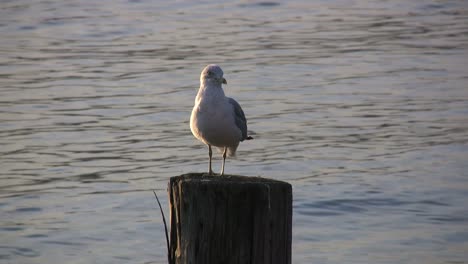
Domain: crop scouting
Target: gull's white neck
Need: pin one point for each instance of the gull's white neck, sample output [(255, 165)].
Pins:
[(210, 90)]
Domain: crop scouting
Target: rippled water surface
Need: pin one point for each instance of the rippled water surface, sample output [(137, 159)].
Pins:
[(361, 105)]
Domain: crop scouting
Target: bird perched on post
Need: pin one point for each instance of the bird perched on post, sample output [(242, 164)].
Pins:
[(217, 120)]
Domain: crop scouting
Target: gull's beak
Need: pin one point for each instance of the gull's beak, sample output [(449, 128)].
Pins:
[(224, 81)]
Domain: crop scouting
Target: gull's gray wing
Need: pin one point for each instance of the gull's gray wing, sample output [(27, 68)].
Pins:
[(239, 117)]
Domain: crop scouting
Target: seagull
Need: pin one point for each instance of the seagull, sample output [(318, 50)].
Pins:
[(217, 120)]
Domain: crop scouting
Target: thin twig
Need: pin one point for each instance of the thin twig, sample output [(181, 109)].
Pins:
[(165, 228)]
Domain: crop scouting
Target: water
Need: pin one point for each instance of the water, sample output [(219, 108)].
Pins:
[(361, 105)]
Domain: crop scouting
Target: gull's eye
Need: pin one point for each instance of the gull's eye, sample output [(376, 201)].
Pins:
[(209, 73)]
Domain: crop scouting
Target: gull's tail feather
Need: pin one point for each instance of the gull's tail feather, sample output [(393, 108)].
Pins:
[(231, 151)]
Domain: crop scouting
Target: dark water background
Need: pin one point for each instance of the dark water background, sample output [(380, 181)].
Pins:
[(361, 105)]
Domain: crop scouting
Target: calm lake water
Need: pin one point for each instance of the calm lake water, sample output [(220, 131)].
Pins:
[(361, 105)]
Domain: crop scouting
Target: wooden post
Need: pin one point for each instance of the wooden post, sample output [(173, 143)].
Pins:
[(229, 219)]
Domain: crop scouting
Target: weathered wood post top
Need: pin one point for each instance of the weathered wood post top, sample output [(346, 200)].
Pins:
[(229, 219)]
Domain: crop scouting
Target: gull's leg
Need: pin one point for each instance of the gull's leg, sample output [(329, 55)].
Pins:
[(210, 153), (224, 160)]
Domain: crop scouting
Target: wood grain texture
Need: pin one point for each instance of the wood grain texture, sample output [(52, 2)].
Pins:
[(229, 219)]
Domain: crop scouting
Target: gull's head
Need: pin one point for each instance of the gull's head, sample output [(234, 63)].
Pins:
[(212, 74)]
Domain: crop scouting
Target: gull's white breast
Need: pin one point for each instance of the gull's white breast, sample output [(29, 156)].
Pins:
[(212, 122)]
